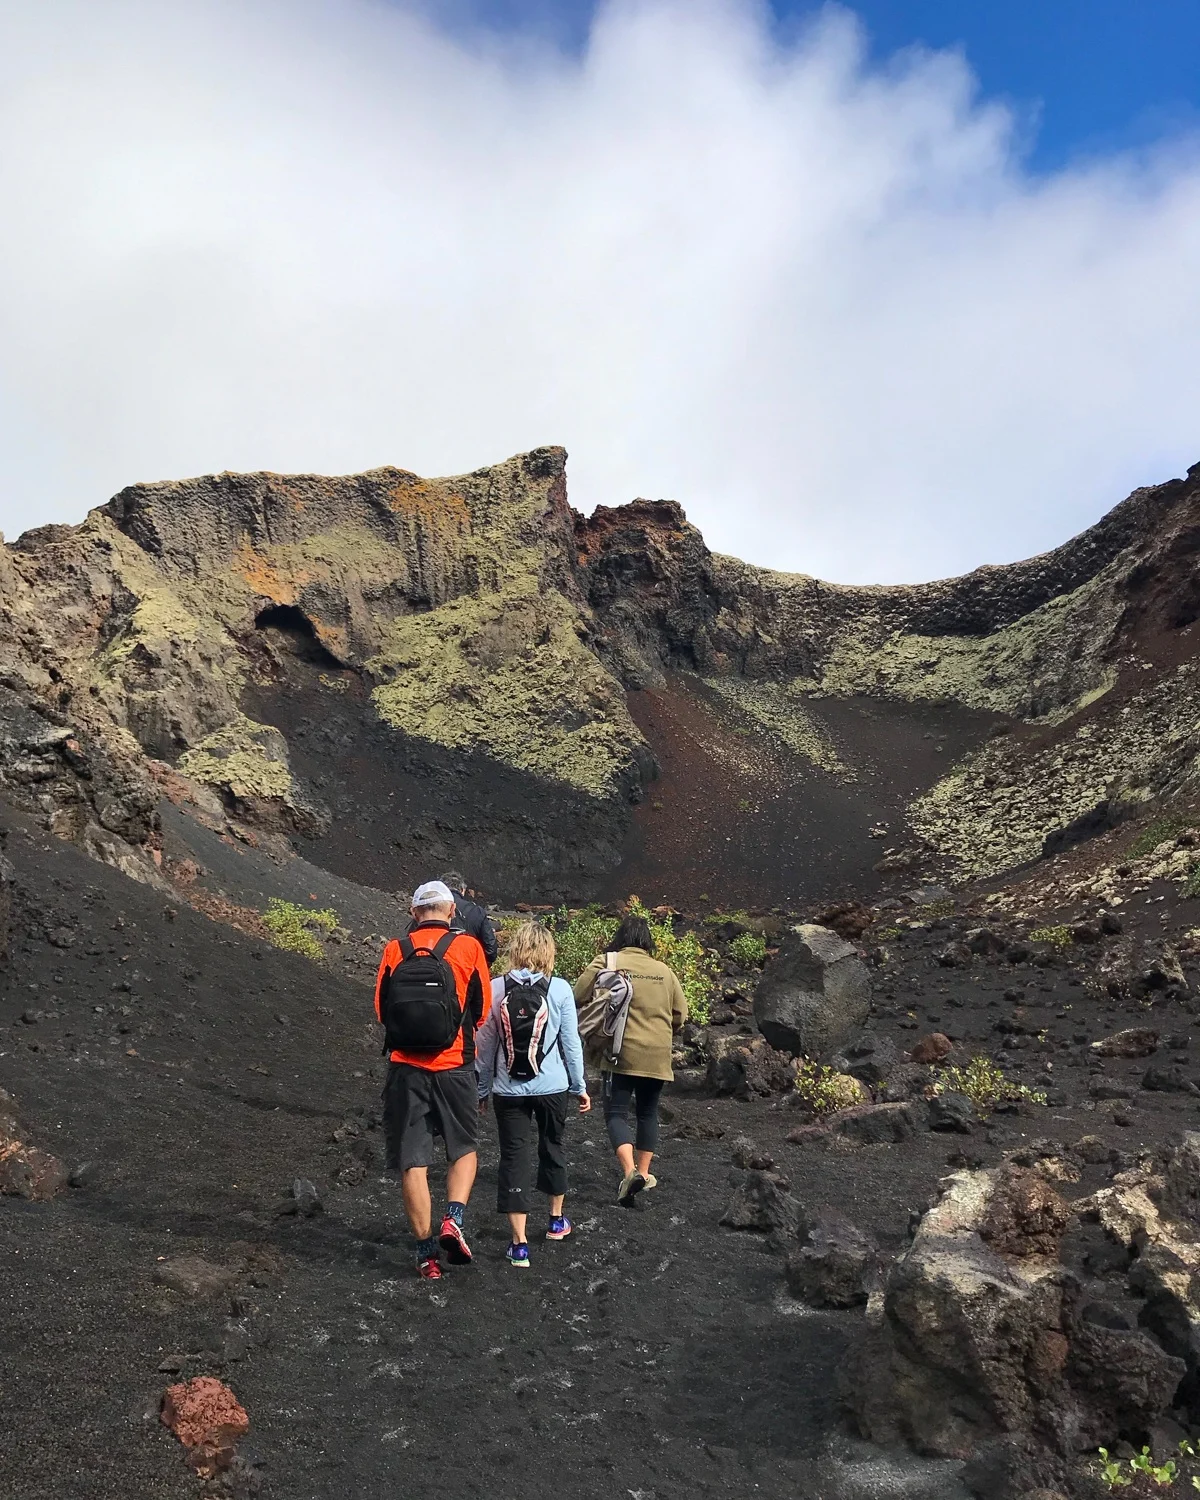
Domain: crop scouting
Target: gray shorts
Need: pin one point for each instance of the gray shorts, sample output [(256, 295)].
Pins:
[(419, 1104)]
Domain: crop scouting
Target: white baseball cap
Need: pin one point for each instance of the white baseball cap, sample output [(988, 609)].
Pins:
[(433, 893)]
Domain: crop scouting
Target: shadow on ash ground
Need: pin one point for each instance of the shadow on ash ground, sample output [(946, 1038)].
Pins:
[(654, 1354)]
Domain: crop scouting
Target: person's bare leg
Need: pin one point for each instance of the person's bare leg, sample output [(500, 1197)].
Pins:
[(460, 1178), (625, 1157), (517, 1223), (643, 1161), (556, 1205), (415, 1185)]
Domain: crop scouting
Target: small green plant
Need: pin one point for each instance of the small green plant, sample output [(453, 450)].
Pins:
[(1192, 884), (719, 918), (823, 1089), (295, 927), (581, 935), (1156, 833), (985, 1085), (1110, 1471), (942, 908), (886, 934), (1059, 936), (1161, 1474), (748, 951)]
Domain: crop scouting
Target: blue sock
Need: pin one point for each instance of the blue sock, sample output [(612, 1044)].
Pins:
[(427, 1249), (455, 1211)]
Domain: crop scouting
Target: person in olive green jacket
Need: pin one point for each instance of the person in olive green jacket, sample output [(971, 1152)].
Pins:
[(656, 1012)]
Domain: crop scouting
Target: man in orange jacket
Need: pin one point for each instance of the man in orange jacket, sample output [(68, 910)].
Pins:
[(432, 992)]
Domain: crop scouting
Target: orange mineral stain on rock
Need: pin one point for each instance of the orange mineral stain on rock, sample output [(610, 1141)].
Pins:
[(265, 579), (436, 508)]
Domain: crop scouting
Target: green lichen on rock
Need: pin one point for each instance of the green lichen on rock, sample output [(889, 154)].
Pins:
[(1044, 666), (779, 708), (507, 673), (242, 757), (159, 621), (995, 809)]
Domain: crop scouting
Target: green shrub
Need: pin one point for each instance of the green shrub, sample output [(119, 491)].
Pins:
[(886, 934), (1059, 936), (295, 927), (1156, 833), (985, 1085), (748, 951), (824, 1089), (1192, 884), (579, 937)]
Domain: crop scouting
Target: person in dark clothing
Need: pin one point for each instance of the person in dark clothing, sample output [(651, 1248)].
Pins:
[(470, 917)]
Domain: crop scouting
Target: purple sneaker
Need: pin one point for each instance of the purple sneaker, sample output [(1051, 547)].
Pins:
[(559, 1228), (518, 1256)]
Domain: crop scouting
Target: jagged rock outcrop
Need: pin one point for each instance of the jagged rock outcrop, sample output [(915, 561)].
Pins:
[(985, 1337), (1083, 644), (479, 616)]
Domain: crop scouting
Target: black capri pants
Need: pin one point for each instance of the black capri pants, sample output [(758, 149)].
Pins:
[(519, 1121), (623, 1091)]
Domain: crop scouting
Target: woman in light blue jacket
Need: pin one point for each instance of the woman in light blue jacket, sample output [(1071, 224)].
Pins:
[(529, 1061)]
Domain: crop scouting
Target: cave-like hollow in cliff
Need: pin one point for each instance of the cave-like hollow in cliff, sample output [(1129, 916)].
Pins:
[(296, 632)]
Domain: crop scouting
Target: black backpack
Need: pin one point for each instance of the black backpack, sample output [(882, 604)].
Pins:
[(524, 1013), (418, 1003)]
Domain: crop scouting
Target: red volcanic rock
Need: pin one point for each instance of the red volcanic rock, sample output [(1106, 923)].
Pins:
[(849, 919), (207, 1418), (932, 1048)]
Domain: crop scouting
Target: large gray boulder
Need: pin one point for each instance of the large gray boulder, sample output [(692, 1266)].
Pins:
[(814, 995)]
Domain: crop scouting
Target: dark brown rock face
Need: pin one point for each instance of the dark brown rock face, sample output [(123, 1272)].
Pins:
[(27, 1172), (983, 1336)]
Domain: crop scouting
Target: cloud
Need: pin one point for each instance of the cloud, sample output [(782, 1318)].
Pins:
[(819, 303)]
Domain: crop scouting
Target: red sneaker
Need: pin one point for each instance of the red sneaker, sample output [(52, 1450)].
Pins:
[(454, 1243), (429, 1270)]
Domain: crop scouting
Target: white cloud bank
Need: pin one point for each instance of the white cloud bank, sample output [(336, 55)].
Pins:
[(819, 304)]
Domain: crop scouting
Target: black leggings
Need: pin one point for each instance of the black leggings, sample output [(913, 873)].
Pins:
[(621, 1090), (518, 1120)]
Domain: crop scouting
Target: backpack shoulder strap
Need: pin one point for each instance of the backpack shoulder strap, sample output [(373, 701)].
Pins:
[(443, 943), (406, 947)]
